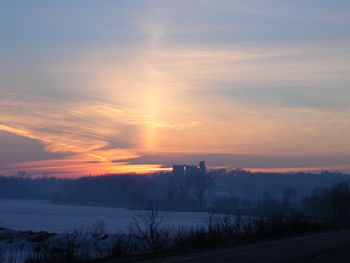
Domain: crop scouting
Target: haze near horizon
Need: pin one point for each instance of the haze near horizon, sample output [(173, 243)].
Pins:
[(94, 87)]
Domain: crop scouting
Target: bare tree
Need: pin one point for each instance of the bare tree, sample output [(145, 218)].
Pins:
[(99, 229), (201, 185), (146, 227), (288, 194)]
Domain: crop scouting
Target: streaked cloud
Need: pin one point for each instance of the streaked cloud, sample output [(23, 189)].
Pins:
[(118, 81)]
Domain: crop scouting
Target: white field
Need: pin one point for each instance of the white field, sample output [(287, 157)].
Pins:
[(42, 216)]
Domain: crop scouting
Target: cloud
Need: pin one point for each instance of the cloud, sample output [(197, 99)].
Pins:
[(86, 135), (14, 149), (122, 80), (224, 99)]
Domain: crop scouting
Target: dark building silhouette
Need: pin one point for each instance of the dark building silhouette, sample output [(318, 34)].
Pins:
[(202, 167), (179, 170), (189, 170)]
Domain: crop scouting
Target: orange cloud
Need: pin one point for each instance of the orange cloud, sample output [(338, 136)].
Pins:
[(156, 99)]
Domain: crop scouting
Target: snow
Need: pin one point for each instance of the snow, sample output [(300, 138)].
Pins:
[(93, 230), (36, 215)]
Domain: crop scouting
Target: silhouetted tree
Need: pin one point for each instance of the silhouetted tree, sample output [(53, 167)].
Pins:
[(202, 183), (146, 227)]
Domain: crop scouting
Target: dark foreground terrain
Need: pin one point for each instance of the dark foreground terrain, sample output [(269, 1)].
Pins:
[(329, 247)]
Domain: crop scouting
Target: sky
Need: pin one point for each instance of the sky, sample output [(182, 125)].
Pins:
[(95, 87)]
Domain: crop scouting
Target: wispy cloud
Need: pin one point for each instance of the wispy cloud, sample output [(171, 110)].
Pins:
[(163, 76)]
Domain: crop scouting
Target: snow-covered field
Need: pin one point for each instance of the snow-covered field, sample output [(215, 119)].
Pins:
[(78, 229), (42, 216)]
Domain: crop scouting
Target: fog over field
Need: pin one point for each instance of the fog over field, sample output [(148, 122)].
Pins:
[(40, 215)]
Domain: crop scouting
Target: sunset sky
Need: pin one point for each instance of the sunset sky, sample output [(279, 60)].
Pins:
[(134, 86)]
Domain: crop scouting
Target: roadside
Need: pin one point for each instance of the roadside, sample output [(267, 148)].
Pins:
[(324, 248)]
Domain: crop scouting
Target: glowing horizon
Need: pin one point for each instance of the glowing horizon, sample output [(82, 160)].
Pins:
[(88, 88)]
